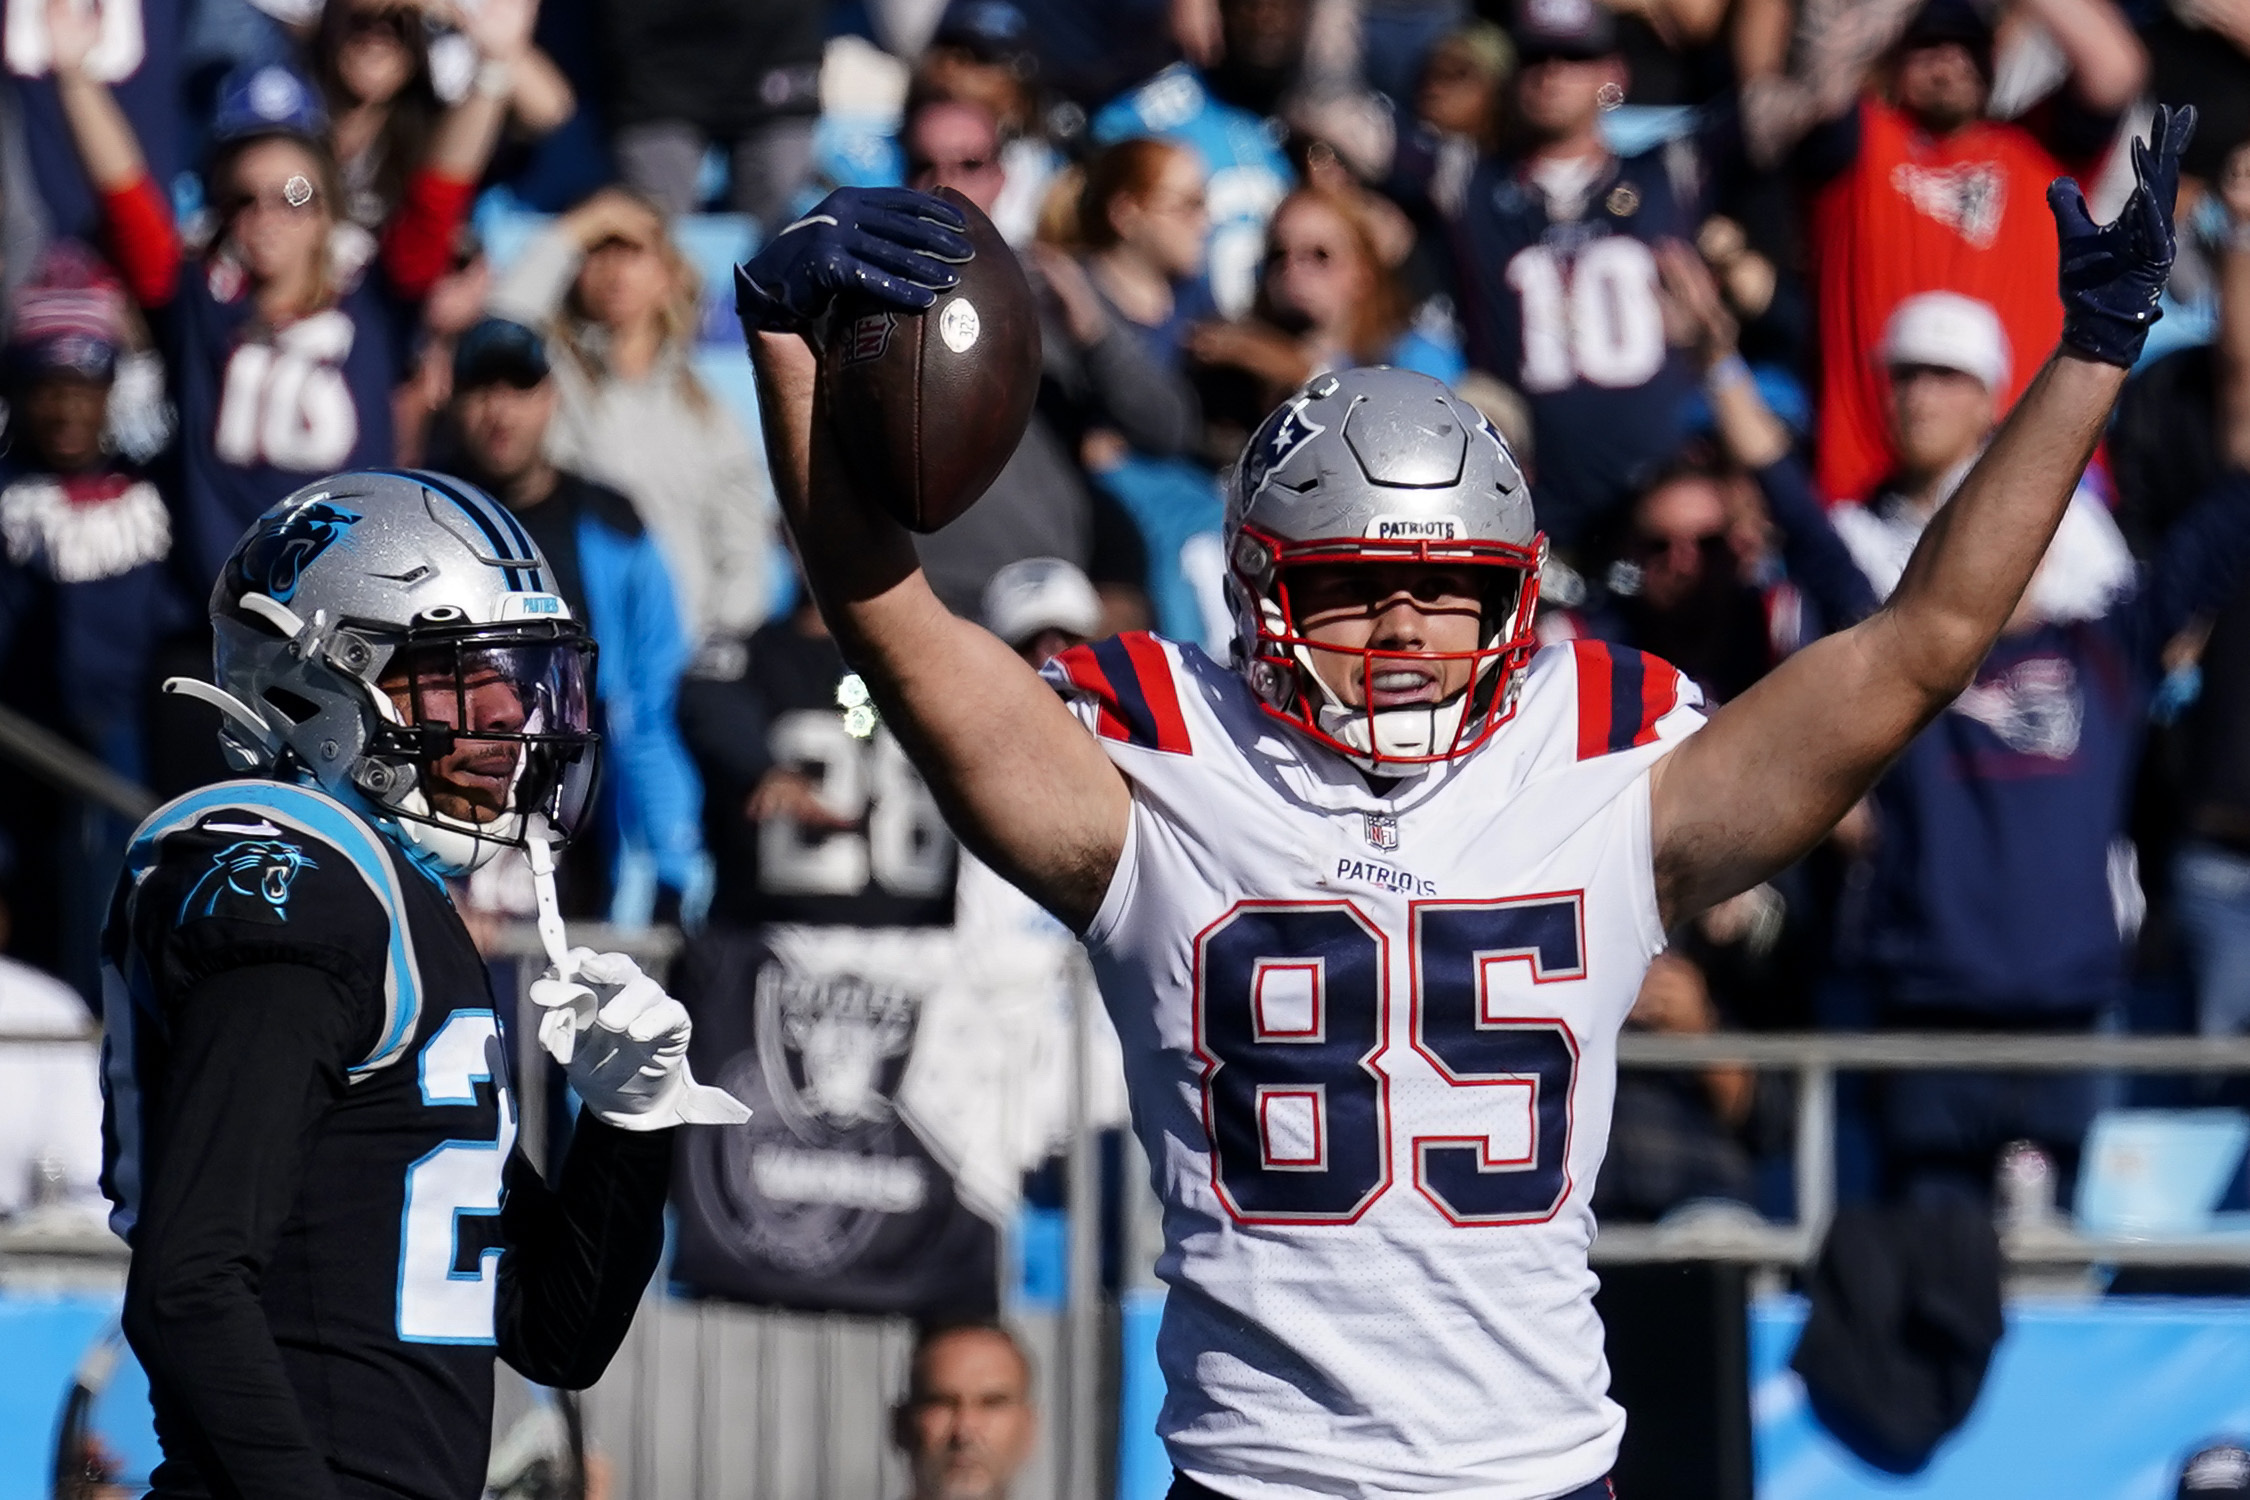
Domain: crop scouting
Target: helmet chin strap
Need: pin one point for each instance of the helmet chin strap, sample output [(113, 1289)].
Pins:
[(559, 1028), (1382, 737)]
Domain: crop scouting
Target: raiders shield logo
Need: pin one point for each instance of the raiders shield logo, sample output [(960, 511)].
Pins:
[(1381, 830)]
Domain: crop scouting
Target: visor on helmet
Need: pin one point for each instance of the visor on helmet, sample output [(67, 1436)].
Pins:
[(495, 723)]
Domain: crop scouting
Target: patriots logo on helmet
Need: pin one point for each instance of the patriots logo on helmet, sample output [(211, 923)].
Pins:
[(1285, 432), (249, 878), (274, 559)]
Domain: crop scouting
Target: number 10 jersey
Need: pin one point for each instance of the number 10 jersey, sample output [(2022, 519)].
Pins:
[(1371, 1045)]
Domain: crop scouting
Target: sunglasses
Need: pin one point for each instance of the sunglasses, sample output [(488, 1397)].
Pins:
[(294, 197), (1282, 255), (967, 166)]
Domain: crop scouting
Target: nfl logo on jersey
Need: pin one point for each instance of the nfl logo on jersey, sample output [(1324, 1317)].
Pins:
[(1381, 830)]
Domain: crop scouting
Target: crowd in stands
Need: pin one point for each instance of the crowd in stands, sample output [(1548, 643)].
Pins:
[(1746, 283)]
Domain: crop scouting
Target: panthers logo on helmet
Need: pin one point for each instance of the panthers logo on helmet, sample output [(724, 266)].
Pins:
[(249, 878), (273, 560)]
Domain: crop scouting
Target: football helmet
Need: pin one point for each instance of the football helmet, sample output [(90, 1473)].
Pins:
[(1380, 466), (379, 623)]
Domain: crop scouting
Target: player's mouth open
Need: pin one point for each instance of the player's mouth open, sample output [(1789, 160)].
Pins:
[(1394, 687)]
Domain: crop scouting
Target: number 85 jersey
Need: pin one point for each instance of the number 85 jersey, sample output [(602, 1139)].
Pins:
[(1371, 1046)]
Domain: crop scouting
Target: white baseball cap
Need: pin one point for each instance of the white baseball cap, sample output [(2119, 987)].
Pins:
[(1950, 332), (1040, 593)]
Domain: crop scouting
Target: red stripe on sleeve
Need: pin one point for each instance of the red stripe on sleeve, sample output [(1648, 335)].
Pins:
[(1154, 669), (1593, 698), (1660, 694), (1087, 676), (418, 241), (143, 241)]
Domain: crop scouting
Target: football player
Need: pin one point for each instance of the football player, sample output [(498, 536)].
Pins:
[(309, 1132), (1370, 902)]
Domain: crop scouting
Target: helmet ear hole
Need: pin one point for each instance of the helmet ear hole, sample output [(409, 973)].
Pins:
[(295, 707)]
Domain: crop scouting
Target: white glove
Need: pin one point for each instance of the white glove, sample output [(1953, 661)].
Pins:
[(623, 1044)]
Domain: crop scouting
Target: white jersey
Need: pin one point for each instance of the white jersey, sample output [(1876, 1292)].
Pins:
[(1371, 1047)]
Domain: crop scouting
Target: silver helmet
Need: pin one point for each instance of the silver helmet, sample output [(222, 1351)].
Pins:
[(1380, 466), (366, 624)]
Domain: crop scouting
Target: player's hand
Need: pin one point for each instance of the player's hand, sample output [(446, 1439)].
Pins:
[(896, 245), (2113, 273), (623, 1044)]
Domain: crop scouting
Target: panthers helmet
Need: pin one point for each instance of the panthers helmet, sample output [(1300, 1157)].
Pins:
[(1380, 466), (377, 623)]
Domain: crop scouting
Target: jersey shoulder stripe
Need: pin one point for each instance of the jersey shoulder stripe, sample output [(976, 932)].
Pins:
[(1129, 678), (1622, 694), (320, 816)]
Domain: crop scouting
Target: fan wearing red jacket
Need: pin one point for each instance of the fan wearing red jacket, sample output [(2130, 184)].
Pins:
[(1923, 193)]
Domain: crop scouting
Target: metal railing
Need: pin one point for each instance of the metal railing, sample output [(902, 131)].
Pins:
[(1817, 1057)]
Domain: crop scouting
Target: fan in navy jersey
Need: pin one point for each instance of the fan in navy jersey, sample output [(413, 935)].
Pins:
[(285, 339), (1554, 254), (309, 1134)]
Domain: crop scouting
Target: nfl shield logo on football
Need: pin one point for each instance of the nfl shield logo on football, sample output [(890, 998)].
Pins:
[(867, 338), (1381, 830)]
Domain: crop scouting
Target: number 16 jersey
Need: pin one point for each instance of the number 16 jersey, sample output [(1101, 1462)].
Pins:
[(1371, 1045)]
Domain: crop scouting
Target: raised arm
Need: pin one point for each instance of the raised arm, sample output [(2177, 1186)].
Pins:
[(1021, 782), (142, 239), (1775, 768)]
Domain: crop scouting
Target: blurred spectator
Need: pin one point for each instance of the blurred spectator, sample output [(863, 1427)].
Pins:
[(2003, 893), (85, 598), (1097, 375), (1041, 606), (1459, 93), (50, 1098), (621, 308), (1557, 277), (811, 811), (1671, 1135), (2211, 869), (1400, 38), (982, 55), (1142, 219), (1326, 302), (1245, 173), (967, 1423), (372, 60), (454, 303), (281, 339), (741, 74), (611, 573), (1918, 191), (86, 536), (1725, 550)]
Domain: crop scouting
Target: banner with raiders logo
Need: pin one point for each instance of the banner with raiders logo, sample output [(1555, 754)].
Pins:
[(896, 1102)]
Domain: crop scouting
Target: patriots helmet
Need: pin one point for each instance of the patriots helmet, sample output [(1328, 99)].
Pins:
[(1370, 467), (380, 624)]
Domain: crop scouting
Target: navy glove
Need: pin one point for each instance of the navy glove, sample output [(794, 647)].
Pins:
[(896, 245), (2112, 274)]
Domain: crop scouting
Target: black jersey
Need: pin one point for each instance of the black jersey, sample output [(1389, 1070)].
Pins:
[(787, 699), (383, 1286)]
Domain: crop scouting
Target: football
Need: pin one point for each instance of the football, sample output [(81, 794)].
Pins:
[(928, 407)]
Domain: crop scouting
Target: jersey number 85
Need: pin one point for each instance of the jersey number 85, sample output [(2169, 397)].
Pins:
[(1292, 1006)]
